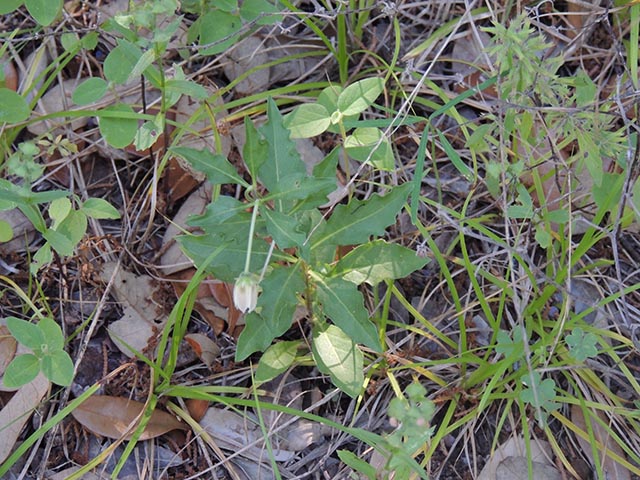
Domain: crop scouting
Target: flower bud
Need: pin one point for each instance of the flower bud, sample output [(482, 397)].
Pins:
[(245, 292)]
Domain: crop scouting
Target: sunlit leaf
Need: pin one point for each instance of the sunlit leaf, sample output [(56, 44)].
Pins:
[(339, 357)]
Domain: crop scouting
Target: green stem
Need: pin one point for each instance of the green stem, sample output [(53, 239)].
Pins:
[(254, 216)]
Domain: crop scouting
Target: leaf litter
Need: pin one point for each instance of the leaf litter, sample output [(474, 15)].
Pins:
[(143, 315)]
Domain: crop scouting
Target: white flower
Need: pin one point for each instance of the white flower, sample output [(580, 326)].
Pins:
[(245, 292)]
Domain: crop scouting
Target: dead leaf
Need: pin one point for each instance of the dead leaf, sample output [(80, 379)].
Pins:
[(246, 55), (17, 412), (205, 348), (610, 467), (514, 453), (132, 330), (115, 417), (173, 259), (142, 316), (8, 346), (139, 291), (10, 74), (234, 432), (197, 408)]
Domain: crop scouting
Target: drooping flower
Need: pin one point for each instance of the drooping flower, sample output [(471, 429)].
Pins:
[(245, 292)]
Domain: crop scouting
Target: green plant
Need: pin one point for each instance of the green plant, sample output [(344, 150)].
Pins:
[(285, 244), (334, 110), (46, 341), (68, 221)]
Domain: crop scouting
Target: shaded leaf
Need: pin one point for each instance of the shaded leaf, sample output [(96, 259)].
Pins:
[(277, 304), (355, 222), (284, 229), (254, 152), (282, 157), (89, 91), (118, 131), (216, 167), (115, 417), (44, 11)]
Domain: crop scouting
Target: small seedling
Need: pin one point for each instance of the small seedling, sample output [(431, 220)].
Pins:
[(582, 345), (46, 341)]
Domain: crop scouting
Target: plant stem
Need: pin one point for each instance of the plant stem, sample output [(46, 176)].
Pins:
[(254, 216)]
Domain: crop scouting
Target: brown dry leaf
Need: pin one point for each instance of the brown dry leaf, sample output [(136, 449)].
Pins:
[(142, 316), (132, 330), (234, 432), (10, 75), (17, 412), (112, 417), (197, 408), (205, 348), (8, 346), (138, 291), (610, 467), (510, 461), (173, 259), (246, 55), (469, 60)]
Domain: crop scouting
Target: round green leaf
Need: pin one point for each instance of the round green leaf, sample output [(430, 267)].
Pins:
[(89, 91), (44, 11), (26, 333), (13, 107), (118, 131), (356, 98), (59, 209), (8, 6), (120, 62), (6, 232), (307, 120), (100, 208), (21, 370), (53, 337), (57, 366), (276, 359)]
